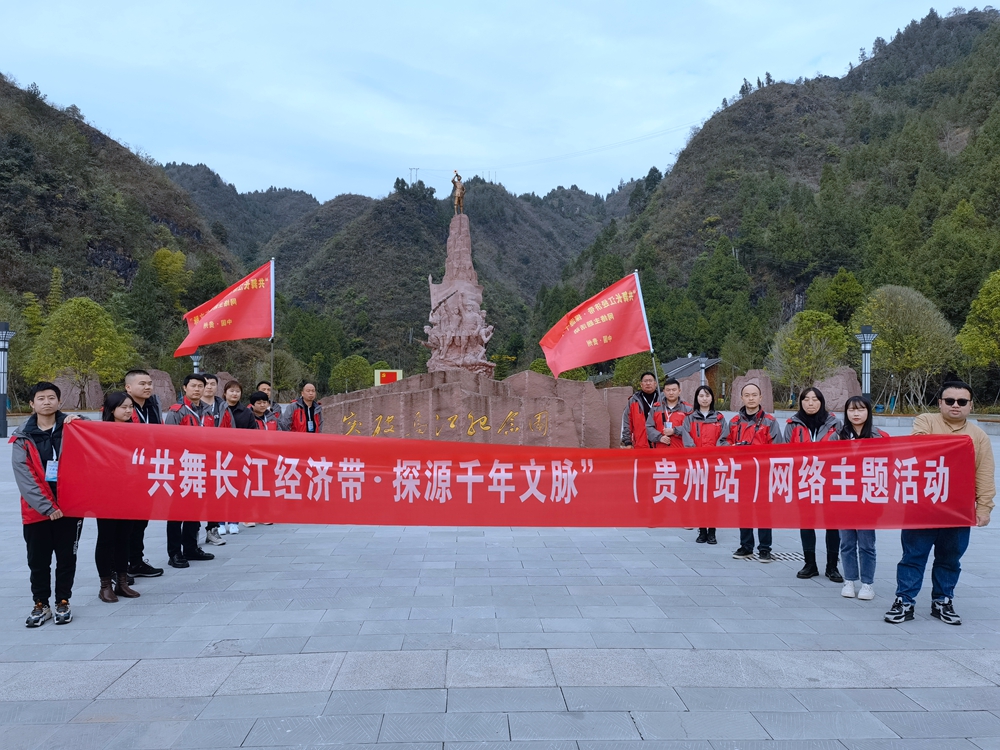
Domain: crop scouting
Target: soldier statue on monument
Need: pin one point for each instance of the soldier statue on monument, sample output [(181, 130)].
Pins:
[(459, 193)]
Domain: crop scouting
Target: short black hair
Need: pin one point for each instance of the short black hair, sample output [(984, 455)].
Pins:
[(263, 382), (194, 376), (258, 396), (43, 385), (956, 384), (130, 373), (210, 376), (648, 372), (671, 381)]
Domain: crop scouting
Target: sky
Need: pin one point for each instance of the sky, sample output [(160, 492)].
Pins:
[(336, 97)]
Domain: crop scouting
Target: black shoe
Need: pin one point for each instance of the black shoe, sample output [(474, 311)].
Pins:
[(743, 553), (711, 537), (702, 536), (143, 569), (200, 554), (944, 610), (764, 556), (833, 574), (900, 612), (809, 570), (177, 561)]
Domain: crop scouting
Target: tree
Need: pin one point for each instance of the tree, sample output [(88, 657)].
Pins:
[(915, 342), (628, 370), (171, 272), (808, 348), (541, 366), (55, 295), (34, 316), (980, 336), (351, 374), (206, 283), (838, 297), (81, 339)]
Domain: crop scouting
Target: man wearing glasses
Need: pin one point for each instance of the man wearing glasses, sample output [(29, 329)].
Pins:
[(954, 407)]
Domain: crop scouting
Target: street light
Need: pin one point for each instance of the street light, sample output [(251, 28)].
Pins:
[(196, 360), (5, 336), (865, 338)]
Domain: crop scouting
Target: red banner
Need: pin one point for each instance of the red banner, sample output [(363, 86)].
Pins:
[(609, 325), (244, 311), (113, 470)]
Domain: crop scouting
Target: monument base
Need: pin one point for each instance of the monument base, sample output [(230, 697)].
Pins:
[(525, 409)]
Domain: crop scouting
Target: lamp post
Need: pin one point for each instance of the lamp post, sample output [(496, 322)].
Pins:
[(196, 360), (865, 338), (5, 336)]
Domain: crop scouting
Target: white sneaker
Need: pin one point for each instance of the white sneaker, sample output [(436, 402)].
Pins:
[(234, 528), (867, 592), (848, 590), (222, 528)]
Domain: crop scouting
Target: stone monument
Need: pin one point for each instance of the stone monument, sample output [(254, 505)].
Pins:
[(458, 334)]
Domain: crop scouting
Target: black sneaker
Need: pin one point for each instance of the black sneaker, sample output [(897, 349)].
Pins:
[(702, 537), (764, 556), (900, 612), (711, 538), (199, 554), (63, 613), (945, 612), (39, 615), (143, 570), (743, 553)]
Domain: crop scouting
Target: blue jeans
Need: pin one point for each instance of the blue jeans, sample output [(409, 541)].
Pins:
[(949, 546), (855, 545), (746, 539)]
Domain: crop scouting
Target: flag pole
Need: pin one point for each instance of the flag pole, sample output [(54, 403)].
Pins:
[(645, 320), (272, 326)]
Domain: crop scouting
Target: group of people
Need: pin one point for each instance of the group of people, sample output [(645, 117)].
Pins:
[(657, 419), (120, 547)]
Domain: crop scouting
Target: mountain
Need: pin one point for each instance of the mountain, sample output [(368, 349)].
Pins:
[(73, 198), (243, 222)]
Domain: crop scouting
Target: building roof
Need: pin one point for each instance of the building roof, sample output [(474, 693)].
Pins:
[(689, 365)]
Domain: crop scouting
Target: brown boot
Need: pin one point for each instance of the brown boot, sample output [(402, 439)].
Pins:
[(122, 588), (107, 594)]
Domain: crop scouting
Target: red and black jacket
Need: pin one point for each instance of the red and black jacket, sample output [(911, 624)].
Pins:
[(239, 417), (796, 430), (634, 419), (267, 422), (704, 430), (759, 429), (662, 415), (187, 415), (38, 497), (150, 410), (296, 418)]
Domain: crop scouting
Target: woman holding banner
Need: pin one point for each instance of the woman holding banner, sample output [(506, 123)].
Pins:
[(812, 423), (704, 428)]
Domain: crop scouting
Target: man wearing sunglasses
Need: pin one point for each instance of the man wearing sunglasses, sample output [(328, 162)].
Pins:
[(954, 407)]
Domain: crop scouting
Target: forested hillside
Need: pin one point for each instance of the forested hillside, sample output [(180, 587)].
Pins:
[(243, 222)]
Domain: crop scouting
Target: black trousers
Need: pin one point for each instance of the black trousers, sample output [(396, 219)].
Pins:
[(43, 539), (764, 535), (137, 542), (808, 537), (182, 537), (111, 552)]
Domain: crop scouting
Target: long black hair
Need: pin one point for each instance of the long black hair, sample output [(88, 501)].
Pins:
[(847, 431), (697, 392), (112, 401), (813, 422)]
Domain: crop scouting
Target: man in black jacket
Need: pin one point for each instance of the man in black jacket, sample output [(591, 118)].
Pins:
[(145, 410)]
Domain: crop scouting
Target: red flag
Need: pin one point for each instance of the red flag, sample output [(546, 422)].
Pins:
[(244, 311), (608, 325)]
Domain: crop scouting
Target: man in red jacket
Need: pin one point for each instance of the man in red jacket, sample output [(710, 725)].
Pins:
[(304, 414), (35, 459), (637, 412), (663, 425)]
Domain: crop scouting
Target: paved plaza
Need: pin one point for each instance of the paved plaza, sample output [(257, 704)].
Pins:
[(536, 639)]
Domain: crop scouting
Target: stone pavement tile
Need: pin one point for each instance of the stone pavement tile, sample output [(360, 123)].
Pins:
[(444, 727), (406, 627), (738, 641), (779, 745), (311, 731), (640, 640), (83, 736), (604, 725), (538, 610), (142, 709), (167, 650), (767, 625), (686, 625), (503, 668), (505, 699), (254, 647), (985, 663), (547, 640), (283, 673), (451, 641), (585, 625), (29, 736), (264, 705), (327, 643), (953, 743), (984, 743), (738, 699), (215, 733), (605, 667), (374, 670), (148, 735), (955, 699), (40, 711), (361, 614), (830, 642), (923, 642), (171, 678), (704, 725), (822, 725), (309, 629), (133, 635), (483, 625), (903, 669), (922, 725), (858, 699), (44, 681), (386, 702), (622, 699), (537, 745), (218, 632)]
